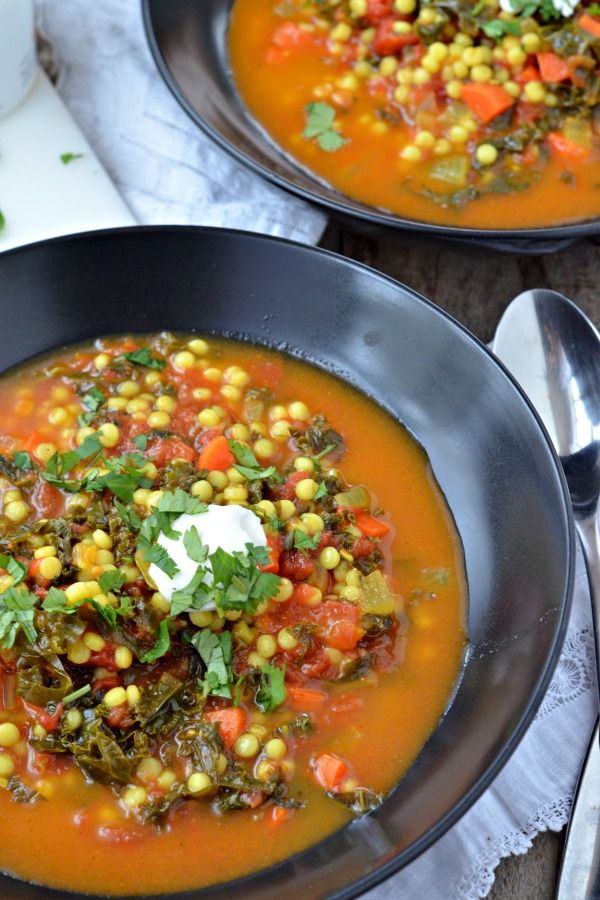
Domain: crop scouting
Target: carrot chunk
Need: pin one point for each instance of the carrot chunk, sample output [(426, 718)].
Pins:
[(305, 698), (565, 148), (590, 23), (344, 635), (217, 455), (329, 770), (231, 722), (486, 100), (371, 526), (553, 68)]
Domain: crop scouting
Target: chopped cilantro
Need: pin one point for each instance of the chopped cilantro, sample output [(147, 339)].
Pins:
[(154, 553), (56, 601), (248, 465), (14, 568), (215, 652), (92, 402), (113, 580), (141, 441), (305, 542), (271, 691), (22, 460), (129, 517), (16, 613), (179, 502), (163, 642), (110, 613), (195, 549), (194, 595), (143, 357), (497, 28), (67, 158), (321, 492), (2, 221), (320, 118)]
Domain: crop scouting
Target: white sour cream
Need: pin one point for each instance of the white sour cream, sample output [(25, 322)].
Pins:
[(228, 527)]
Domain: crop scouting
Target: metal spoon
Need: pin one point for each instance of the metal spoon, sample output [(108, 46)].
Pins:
[(553, 351)]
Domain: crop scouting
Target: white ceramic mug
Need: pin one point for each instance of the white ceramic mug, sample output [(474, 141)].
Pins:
[(17, 52)]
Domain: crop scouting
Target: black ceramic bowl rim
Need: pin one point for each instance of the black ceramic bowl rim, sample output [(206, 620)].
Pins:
[(433, 834), (377, 217)]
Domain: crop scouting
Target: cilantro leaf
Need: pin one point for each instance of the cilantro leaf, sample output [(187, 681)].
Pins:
[(67, 158), (194, 595), (16, 613), (92, 401), (14, 568), (143, 357), (179, 502), (248, 465), (497, 28), (215, 652), (162, 645), (320, 119), (22, 460), (305, 542), (156, 554), (195, 549), (129, 517), (56, 601), (110, 613), (141, 441), (321, 491), (271, 691), (113, 580), (593, 9), (238, 583)]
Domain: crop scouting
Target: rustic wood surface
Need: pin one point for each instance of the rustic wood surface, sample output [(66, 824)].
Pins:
[(475, 285)]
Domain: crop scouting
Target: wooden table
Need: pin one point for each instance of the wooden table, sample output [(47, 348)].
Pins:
[(475, 286)]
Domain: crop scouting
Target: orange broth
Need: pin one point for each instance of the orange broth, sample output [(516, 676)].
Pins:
[(77, 838), (277, 85)]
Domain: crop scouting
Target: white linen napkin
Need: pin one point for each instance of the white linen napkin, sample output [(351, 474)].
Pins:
[(166, 169), (169, 172)]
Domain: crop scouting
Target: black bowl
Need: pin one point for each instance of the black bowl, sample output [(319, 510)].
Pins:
[(488, 451), (188, 40)]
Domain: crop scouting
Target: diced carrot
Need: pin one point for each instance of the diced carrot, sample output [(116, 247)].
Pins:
[(279, 815), (217, 455), (553, 68), (590, 23), (371, 526), (305, 699), (231, 722), (529, 73), (329, 770), (486, 100), (344, 635), (565, 148)]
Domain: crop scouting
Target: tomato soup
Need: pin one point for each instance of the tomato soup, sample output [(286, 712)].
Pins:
[(232, 611), (458, 114)]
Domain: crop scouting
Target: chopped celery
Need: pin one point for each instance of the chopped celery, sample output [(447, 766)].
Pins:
[(579, 131), (356, 498), (375, 596), (452, 169)]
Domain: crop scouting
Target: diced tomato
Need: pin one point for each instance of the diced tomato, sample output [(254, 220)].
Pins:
[(231, 722), (217, 455), (363, 546), (287, 491), (48, 720), (329, 770), (288, 36), (47, 499), (304, 594), (371, 526), (105, 684), (388, 43), (104, 658), (119, 717), (164, 450), (344, 635), (295, 565), (378, 9), (275, 545)]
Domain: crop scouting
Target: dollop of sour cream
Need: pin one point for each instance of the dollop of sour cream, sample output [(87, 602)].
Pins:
[(228, 527)]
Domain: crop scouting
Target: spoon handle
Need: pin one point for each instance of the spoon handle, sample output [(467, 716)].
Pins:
[(589, 535)]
